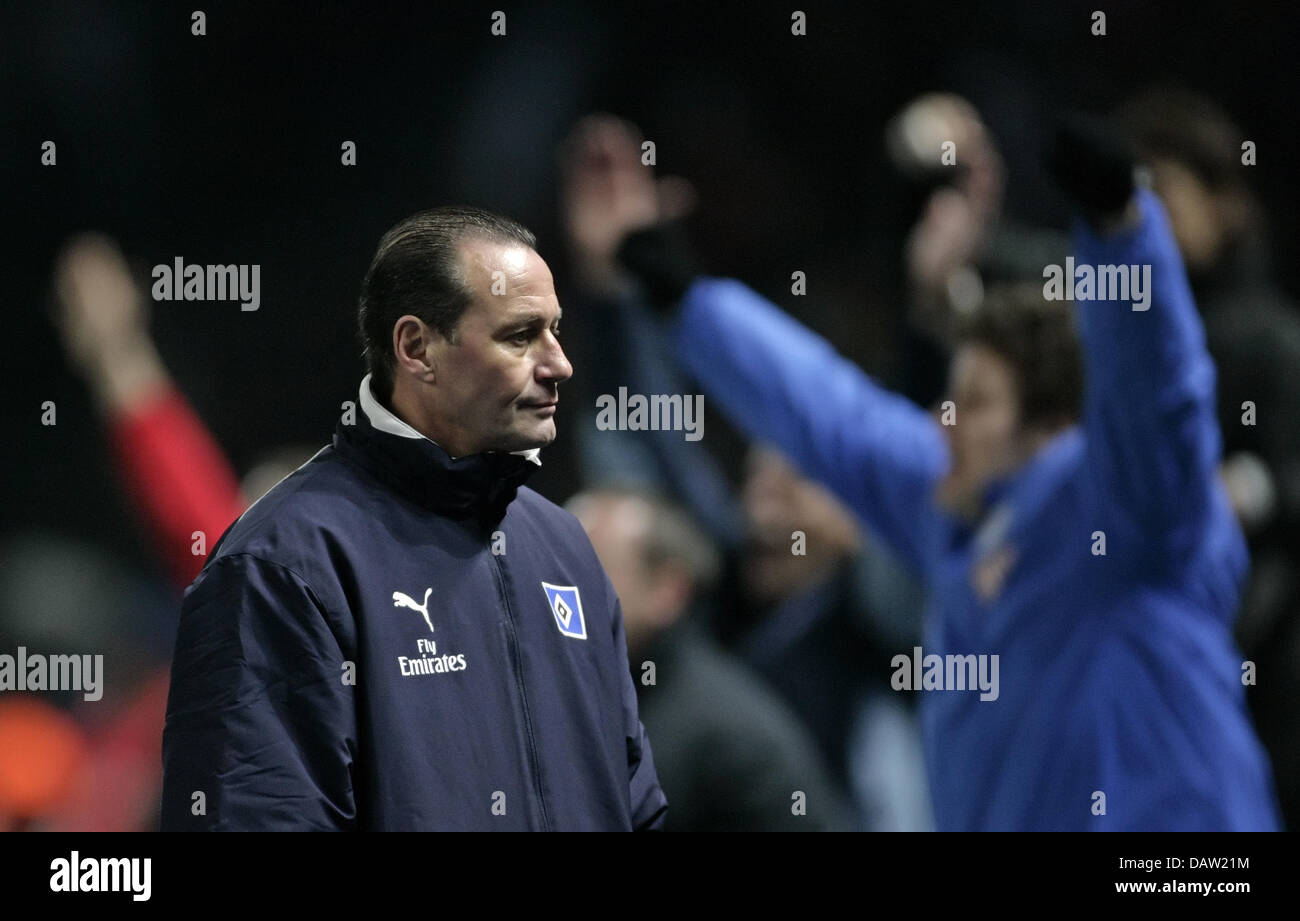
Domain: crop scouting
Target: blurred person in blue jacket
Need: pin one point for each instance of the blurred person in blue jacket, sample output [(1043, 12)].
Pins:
[(1199, 166), (1064, 510)]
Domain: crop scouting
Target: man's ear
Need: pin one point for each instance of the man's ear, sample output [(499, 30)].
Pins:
[(417, 347)]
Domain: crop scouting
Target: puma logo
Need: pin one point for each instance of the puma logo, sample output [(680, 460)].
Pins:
[(403, 600)]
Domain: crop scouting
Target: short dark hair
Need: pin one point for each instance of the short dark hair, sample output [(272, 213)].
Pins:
[(417, 270), (1188, 127), (1037, 338)]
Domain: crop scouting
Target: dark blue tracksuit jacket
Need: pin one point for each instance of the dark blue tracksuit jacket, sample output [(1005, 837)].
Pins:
[(392, 639), (1120, 705)]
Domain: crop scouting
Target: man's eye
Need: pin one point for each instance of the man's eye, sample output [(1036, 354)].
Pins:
[(522, 337)]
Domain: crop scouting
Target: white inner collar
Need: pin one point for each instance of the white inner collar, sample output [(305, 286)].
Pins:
[(385, 421)]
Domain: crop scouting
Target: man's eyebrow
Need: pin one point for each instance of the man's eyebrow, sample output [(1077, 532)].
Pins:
[(529, 318)]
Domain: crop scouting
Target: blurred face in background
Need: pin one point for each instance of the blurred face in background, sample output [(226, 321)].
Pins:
[(987, 441), (1198, 216), (652, 598), (777, 502)]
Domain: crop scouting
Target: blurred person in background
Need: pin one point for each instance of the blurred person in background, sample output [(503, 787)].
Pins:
[(628, 348), (1196, 154), (945, 247), (186, 494), (810, 620), (68, 763), (178, 479), (179, 483), (829, 607), (731, 756), (1121, 705), (964, 240)]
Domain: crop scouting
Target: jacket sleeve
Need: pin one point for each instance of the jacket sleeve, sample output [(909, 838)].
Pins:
[(649, 805), (781, 383), (177, 476), (260, 720), (1152, 439)]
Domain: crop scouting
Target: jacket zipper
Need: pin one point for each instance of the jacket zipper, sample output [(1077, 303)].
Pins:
[(523, 694)]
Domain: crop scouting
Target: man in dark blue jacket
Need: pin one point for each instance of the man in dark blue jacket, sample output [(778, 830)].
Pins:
[(400, 634)]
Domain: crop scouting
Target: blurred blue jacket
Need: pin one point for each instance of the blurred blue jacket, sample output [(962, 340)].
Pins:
[(1118, 673)]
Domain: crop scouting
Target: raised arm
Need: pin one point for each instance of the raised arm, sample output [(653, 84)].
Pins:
[(1153, 443), (177, 476), (781, 383)]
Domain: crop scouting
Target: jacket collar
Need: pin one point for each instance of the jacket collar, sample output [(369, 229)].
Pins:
[(413, 465), (1006, 499)]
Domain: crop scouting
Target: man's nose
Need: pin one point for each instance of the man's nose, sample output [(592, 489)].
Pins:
[(554, 365)]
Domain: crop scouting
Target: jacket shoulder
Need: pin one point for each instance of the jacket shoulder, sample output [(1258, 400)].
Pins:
[(285, 525), (533, 503)]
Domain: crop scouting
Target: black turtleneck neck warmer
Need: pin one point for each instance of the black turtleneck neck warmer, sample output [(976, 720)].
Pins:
[(476, 487)]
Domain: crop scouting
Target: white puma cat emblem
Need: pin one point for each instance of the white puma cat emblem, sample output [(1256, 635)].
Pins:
[(403, 600)]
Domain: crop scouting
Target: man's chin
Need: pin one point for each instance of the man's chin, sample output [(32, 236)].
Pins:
[(538, 437), (544, 435)]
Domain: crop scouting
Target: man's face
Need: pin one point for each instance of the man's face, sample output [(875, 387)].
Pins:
[(496, 386), (1194, 212), (986, 441), (617, 528)]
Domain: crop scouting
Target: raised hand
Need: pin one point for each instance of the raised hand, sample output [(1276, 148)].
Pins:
[(606, 192), (102, 320)]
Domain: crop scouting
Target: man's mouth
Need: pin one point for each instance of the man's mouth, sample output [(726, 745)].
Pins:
[(542, 406)]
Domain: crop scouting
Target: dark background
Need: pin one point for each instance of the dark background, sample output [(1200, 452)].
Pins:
[(226, 149)]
